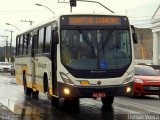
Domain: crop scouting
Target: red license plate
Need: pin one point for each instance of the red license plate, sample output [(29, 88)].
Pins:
[(99, 94)]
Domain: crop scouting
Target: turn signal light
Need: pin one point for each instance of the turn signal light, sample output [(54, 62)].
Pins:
[(85, 82)]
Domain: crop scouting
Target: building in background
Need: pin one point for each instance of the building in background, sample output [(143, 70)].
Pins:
[(156, 36), (144, 48)]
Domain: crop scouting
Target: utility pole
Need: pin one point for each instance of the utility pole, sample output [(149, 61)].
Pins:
[(10, 50), (6, 48), (126, 12), (30, 21)]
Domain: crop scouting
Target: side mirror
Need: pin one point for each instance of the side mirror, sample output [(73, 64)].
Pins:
[(134, 35)]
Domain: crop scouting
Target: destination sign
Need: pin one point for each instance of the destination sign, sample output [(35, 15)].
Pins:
[(92, 20)]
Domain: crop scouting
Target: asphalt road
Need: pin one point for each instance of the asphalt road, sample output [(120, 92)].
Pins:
[(28, 108)]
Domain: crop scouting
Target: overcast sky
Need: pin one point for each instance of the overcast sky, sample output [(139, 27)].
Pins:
[(13, 11)]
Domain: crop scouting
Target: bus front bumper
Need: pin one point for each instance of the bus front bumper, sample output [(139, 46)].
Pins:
[(65, 90)]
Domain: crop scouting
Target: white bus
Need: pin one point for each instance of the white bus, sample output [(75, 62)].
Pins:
[(76, 56)]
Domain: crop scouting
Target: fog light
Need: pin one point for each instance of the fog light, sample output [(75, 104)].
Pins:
[(66, 91), (128, 89)]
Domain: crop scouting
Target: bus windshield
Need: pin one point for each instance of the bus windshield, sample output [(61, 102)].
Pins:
[(95, 49)]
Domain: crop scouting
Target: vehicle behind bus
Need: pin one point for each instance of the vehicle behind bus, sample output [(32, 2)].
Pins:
[(5, 66)]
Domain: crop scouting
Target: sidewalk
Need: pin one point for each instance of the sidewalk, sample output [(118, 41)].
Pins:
[(6, 114)]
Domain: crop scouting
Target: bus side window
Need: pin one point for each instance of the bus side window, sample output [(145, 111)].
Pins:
[(17, 45), (47, 43), (25, 44), (21, 45), (34, 47), (29, 43), (35, 37), (27, 40), (41, 40)]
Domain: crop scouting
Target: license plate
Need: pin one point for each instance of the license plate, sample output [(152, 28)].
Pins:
[(99, 94), (153, 88)]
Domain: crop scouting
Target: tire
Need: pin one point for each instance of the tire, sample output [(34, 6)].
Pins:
[(27, 91), (14, 72), (54, 101), (107, 101), (45, 83), (71, 102), (75, 101), (35, 94)]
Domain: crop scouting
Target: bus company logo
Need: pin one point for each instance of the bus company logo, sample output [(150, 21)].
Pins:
[(41, 65), (98, 71), (99, 82)]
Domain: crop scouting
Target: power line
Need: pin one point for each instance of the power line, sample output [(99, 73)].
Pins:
[(140, 20), (142, 24), (140, 7), (21, 11)]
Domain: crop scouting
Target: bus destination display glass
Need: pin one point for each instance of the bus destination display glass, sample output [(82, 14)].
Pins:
[(93, 20)]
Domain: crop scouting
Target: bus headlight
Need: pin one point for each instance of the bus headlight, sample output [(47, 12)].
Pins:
[(129, 78), (128, 89), (66, 91), (65, 78)]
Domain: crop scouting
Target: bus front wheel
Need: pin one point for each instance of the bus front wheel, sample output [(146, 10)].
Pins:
[(71, 102), (54, 101), (107, 101), (35, 94)]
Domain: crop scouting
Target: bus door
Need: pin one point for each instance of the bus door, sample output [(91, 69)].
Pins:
[(34, 48), (54, 43)]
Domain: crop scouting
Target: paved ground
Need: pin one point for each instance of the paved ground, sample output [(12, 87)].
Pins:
[(6, 114), (29, 108)]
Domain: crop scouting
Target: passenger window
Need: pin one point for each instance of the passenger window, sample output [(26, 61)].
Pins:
[(27, 39), (25, 44), (17, 45), (40, 42), (21, 45), (29, 43), (48, 40), (34, 47)]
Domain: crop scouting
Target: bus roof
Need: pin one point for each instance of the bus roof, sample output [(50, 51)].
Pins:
[(57, 17)]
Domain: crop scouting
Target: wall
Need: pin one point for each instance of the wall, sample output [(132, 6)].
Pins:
[(144, 48)]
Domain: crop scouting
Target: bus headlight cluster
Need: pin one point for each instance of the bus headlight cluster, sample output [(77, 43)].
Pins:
[(65, 78), (128, 89), (66, 91), (129, 78)]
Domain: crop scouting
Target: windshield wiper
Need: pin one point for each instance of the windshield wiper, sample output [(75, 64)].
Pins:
[(86, 39), (107, 38)]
